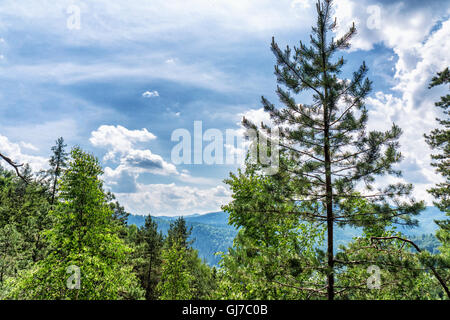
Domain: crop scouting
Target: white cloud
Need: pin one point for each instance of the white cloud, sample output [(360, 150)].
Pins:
[(28, 146), (118, 139), (172, 199), (150, 94), (396, 24), (14, 152), (256, 116), (120, 143), (411, 103), (200, 74), (106, 21)]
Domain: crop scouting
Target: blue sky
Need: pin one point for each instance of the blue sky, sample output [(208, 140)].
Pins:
[(208, 60)]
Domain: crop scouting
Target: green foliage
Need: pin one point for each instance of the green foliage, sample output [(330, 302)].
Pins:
[(180, 233), (147, 256), (25, 206), (273, 255), (84, 236), (438, 140), (175, 277), (12, 253), (402, 272), (184, 275)]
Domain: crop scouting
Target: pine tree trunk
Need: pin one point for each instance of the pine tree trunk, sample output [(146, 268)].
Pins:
[(329, 204), (328, 182)]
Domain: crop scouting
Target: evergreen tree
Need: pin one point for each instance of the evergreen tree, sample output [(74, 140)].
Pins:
[(403, 275), (57, 163), (203, 284), (336, 159), (179, 232), (438, 140), (24, 204), (12, 252), (175, 276), (150, 254), (182, 269)]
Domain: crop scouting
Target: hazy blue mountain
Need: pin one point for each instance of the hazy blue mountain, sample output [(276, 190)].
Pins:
[(211, 232)]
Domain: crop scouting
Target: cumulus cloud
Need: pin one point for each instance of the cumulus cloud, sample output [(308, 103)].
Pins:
[(15, 153), (394, 23), (145, 159), (121, 145), (150, 94), (118, 139), (172, 199), (419, 37), (28, 146), (142, 198)]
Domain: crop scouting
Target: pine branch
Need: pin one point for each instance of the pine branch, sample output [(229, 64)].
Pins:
[(301, 152), (287, 63)]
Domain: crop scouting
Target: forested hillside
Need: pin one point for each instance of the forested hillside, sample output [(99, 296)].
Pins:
[(212, 234)]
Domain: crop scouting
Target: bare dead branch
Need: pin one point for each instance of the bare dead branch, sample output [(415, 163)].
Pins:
[(16, 166), (441, 281)]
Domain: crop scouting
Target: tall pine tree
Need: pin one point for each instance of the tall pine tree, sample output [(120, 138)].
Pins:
[(438, 140), (58, 162), (336, 159), (150, 254)]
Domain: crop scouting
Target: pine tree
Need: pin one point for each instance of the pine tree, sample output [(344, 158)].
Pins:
[(57, 165), (150, 253), (175, 276), (438, 140), (182, 269), (179, 232), (11, 251), (14, 165), (336, 159), (25, 205)]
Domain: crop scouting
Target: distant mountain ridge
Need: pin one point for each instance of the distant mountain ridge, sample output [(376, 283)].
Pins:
[(212, 233)]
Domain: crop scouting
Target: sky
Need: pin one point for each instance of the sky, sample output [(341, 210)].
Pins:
[(119, 78)]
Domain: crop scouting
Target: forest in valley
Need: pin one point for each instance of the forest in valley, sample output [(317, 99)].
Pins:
[(64, 235)]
